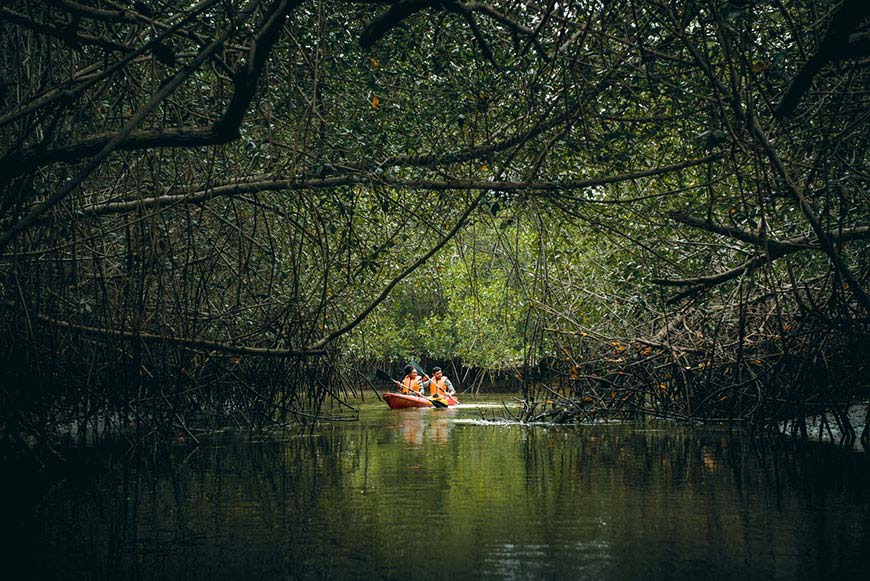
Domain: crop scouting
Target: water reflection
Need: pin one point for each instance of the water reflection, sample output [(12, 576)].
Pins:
[(424, 494), (411, 425)]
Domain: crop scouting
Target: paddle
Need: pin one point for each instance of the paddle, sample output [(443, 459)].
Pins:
[(435, 402)]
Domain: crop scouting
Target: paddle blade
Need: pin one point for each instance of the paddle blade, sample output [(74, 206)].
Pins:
[(383, 375), (416, 366), (438, 403)]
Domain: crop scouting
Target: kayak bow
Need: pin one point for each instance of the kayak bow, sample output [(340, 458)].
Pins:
[(399, 401)]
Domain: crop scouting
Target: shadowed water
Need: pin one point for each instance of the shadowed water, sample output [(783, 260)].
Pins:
[(438, 494)]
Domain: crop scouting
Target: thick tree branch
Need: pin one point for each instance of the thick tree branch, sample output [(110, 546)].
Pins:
[(246, 79), (382, 24), (775, 250), (27, 161), (195, 344), (729, 231), (250, 187), (69, 36)]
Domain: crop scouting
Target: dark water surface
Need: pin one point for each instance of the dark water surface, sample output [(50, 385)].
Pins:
[(436, 494)]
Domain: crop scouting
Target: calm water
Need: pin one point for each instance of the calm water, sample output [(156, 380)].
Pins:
[(435, 494)]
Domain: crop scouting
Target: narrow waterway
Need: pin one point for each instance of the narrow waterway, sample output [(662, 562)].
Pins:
[(440, 494)]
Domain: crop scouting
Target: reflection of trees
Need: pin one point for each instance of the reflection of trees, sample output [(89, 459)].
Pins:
[(336, 502)]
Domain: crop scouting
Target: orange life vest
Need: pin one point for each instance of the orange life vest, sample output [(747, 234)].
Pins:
[(437, 388), (409, 387)]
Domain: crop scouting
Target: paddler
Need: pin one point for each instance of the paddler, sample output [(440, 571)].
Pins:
[(412, 383), (439, 385)]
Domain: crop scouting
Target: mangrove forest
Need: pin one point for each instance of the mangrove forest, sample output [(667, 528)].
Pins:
[(230, 213)]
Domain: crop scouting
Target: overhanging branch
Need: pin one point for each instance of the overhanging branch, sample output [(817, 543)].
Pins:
[(195, 344), (264, 185), (774, 249)]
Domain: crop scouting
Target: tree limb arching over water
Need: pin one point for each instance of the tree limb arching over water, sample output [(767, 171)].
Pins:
[(213, 212)]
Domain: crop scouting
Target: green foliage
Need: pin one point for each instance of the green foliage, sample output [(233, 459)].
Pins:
[(466, 304)]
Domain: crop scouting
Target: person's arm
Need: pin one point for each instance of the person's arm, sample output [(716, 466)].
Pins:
[(449, 385)]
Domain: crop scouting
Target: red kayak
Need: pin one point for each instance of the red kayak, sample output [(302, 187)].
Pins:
[(401, 400)]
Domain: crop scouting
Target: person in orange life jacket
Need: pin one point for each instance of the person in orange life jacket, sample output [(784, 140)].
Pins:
[(411, 383), (439, 386)]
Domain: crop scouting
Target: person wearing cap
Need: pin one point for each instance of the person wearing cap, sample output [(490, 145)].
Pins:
[(412, 383), (439, 385)]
